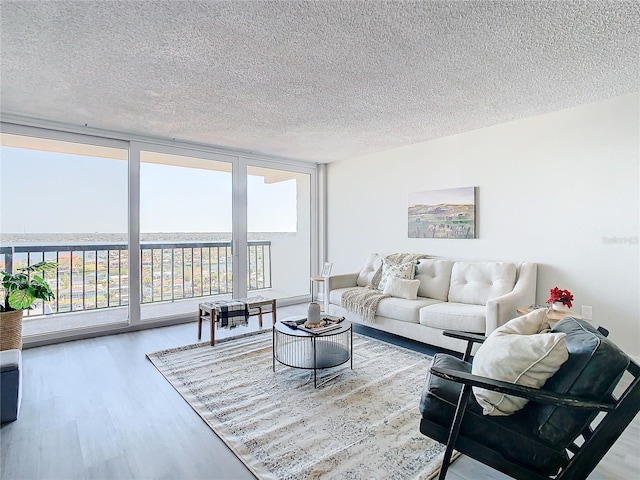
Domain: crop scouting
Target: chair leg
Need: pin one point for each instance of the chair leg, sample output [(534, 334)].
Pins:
[(455, 428), (467, 352)]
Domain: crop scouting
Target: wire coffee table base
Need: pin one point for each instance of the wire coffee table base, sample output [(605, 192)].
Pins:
[(299, 349)]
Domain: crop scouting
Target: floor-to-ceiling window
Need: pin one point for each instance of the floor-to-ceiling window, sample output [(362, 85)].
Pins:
[(145, 231), (279, 212), (185, 231), (65, 200)]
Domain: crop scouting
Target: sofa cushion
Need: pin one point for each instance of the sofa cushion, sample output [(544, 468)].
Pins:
[(594, 367), (454, 316), (371, 266), (477, 282), (402, 288), (391, 269), (395, 308), (401, 309), (335, 295), (434, 276), (518, 352), (510, 435)]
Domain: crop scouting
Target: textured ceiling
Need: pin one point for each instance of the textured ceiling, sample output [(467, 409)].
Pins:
[(317, 81)]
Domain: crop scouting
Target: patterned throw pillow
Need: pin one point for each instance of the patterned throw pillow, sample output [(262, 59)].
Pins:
[(399, 270)]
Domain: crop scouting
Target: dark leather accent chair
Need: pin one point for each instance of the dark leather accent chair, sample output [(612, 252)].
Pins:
[(562, 432)]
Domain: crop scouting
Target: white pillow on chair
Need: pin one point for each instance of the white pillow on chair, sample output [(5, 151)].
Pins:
[(520, 352)]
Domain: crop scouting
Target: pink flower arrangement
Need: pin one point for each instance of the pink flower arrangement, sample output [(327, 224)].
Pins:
[(562, 296)]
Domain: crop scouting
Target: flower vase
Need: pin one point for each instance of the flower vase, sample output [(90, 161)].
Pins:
[(559, 307)]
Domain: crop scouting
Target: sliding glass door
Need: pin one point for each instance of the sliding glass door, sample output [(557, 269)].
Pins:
[(185, 231), (66, 201), (279, 230), (203, 239), (144, 231)]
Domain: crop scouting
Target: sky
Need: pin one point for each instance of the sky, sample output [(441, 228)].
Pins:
[(47, 192), (454, 196)]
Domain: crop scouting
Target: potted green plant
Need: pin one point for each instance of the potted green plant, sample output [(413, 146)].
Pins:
[(21, 289)]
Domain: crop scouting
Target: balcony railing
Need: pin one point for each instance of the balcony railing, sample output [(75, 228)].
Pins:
[(92, 276)]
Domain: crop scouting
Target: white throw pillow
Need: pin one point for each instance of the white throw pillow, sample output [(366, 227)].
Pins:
[(399, 270), (401, 288), (517, 352), (374, 261)]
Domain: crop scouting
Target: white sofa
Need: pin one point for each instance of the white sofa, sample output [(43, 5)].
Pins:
[(475, 297)]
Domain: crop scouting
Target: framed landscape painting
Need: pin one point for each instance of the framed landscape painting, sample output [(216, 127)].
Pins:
[(449, 213)]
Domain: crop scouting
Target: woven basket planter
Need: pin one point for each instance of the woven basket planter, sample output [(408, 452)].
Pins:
[(11, 330)]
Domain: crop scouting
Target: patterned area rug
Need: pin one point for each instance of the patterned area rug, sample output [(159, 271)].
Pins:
[(358, 424)]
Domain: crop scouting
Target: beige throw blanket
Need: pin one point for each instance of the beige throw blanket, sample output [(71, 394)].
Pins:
[(364, 300)]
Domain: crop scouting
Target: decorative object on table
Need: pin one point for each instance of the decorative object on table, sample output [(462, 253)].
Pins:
[(326, 323), (21, 289), (326, 269), (313, 316), (353, 436), (294, 324), (449, 213), (560, 300), (319, 328)]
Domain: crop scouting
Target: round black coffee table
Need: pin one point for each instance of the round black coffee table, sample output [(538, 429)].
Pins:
[(299, 349)]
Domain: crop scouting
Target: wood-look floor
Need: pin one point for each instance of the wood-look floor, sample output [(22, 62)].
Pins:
[(98, 409)]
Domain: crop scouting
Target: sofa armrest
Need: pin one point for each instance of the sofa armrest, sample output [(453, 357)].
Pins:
[(344, 280), (332, 282), (502, 309)]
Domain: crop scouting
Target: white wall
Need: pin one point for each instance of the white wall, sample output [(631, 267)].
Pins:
[(556, 189)]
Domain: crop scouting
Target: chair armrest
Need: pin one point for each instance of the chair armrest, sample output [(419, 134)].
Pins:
[(471, 338), (529, 393)]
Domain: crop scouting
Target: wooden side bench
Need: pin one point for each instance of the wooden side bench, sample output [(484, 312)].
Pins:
[(208, 311)]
